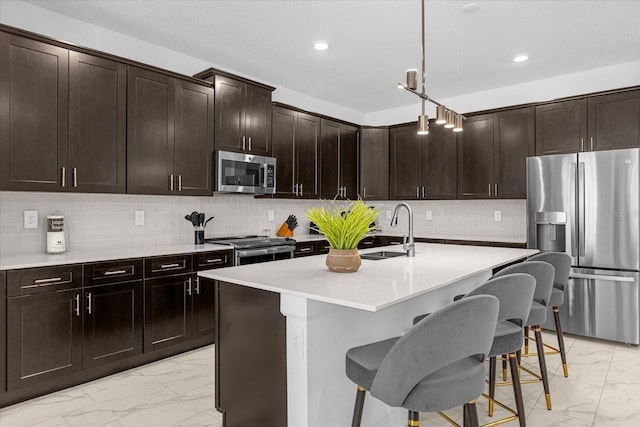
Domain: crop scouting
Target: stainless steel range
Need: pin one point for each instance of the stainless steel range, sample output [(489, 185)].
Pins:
[(255, 249)]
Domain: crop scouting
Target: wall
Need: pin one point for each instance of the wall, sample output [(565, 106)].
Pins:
[(99, 221)]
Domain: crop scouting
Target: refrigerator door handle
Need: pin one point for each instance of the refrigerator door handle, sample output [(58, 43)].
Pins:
[(572, 209), (601, 277), (581, 211)]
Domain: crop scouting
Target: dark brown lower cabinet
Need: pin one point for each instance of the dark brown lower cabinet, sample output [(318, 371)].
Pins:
[(166, 311), (44, 341), (112, 323), (251, 359), (204, 310)]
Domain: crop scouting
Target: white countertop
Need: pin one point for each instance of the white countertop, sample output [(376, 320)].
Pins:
[(377, 284), (473, 238), (74, 257)]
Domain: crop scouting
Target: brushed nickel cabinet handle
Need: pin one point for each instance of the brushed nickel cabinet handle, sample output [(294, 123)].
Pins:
[(111, 273), (300, 189), (53, 279), (89, 303), (581, 144), (197, 286), (189, 286), (179, 182), (64, 176), (591, 143), (77, 300), (210, 261), (495, 190), (417, 192), (171, 182), (423, 192), (170, 265), (249, 143), (243, 143), (305, 249), (74, 175), (364, 192), (489, 190)]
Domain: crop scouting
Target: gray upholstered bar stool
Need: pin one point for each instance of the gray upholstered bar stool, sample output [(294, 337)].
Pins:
[(438, 364), (562, 264), (543, 272), (515, 293)]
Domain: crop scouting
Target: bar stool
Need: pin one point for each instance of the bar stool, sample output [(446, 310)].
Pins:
[(562, 264), (543, 272), (515, 293), (438, 364)]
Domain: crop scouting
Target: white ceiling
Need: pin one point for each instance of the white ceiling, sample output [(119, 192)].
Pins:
[(372, 43)]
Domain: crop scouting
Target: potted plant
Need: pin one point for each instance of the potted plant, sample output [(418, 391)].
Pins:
[(343, 226)]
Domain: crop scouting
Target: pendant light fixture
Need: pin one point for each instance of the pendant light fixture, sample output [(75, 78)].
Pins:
[(444, 116)]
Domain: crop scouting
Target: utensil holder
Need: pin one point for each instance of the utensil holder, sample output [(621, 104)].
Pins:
[(199, 237)]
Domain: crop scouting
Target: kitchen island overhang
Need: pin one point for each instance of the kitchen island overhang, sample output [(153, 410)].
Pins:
[(326, 314)]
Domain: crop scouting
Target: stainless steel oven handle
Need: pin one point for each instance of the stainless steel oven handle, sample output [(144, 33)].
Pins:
[(244, 253)]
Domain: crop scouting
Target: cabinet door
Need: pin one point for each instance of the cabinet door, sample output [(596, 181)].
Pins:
[(561, 127), (3, 332), (349, 161), (405, 151), (439, 166), (45, 338), (166, 312), (374, 164), (193, 139), (258, 120), (329, 159), (97, 124), (614, 121), (204, 313), (475, 158), (112, 323), (307, 155), (34, 111), (229, 114), (283, 142), (514, 142), (150, 132)]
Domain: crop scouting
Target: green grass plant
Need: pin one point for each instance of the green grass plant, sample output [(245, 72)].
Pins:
[(343, 224)]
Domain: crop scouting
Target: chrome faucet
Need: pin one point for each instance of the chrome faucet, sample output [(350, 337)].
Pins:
[(407, 241)]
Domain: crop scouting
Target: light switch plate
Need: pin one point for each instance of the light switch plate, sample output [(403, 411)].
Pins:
[(429, 215), (30, 219), (387, 214), (139, 218), (271, 215), (497, 216)]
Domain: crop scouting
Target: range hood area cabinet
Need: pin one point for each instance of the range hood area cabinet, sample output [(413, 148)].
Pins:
[(374, 163), (601, 122), (63, 126), (338, 160), (296, 144), (422, 167), (242, 113), (492, 153), (169, 135)]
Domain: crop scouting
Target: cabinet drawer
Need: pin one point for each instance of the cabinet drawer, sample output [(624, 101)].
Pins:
[(367, 242), (167, 265), (208, 260), (305, 249), (323, 247), (43, 279), (102, 273)]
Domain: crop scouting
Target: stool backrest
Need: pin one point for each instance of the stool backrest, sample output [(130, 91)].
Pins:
[(515, 293), (459, 330), (543, 272), (560, 261)]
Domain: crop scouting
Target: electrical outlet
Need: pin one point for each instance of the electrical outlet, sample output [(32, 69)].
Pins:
[(429, 215), (271, 215), (388, 214), (139, 218), (296, 338), (497, 216), (30, 219)]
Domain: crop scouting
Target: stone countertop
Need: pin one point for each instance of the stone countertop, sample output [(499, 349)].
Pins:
[(12, 262), (378, 283), (474, 238)]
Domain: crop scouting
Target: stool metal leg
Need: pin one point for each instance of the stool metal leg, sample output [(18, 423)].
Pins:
[(526, 340), (470, 417), (492, 383), (543, 365), (357, 409), (517, 390), (563, 355), (413, 419)]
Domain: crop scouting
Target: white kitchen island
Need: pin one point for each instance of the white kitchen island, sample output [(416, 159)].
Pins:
[(328, 313)]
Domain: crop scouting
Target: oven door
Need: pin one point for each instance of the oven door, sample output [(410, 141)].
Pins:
[(245, 173), (256, 255)]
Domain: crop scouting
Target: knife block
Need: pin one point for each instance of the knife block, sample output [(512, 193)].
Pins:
[(284, 231)]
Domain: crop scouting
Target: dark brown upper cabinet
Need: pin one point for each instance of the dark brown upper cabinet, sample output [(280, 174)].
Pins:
[(492, 152), (66, 124), (242, 117), (295, 140), (34, 115), (374, 163), (422, 167), (601, 122), (338, 160), (169, 147)]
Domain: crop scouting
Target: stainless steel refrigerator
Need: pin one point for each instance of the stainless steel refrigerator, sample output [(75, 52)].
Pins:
[(588, 205)]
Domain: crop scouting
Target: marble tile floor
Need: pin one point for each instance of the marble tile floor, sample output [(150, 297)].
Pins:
[(603, 390)]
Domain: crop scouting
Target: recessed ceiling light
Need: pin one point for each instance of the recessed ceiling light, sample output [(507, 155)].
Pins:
[(321, 45), (520, 58), (470, 7)]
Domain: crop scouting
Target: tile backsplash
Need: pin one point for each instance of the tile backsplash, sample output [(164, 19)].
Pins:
[(105, 221)]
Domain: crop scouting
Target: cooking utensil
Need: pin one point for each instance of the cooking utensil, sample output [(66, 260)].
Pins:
[(207, 221), (187, 217), (194, 218), (201, 219)]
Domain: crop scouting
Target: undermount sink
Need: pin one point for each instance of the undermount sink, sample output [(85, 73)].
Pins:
[(382, 255)]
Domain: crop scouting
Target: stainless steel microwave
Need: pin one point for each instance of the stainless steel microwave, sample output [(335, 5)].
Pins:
[(245, 173)]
